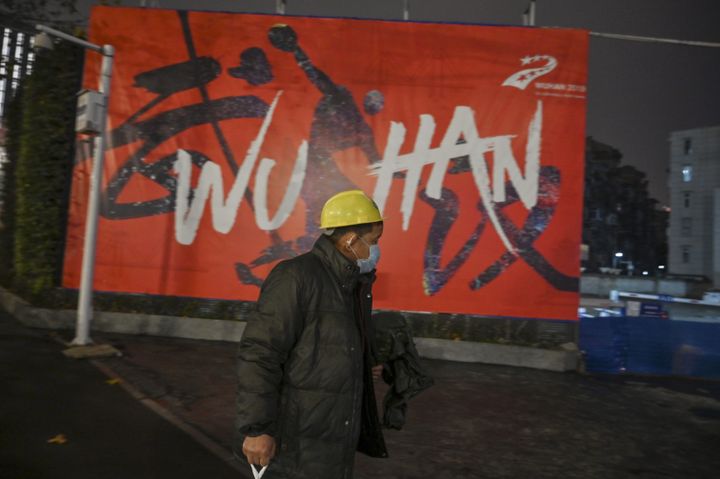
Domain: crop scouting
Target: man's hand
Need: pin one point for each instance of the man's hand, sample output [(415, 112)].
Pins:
[(377, 371), (259, 450)]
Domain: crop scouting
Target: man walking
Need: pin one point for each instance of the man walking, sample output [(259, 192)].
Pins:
[(306, 400)]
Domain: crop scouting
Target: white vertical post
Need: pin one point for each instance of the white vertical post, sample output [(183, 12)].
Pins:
[(406, 10), (531, 15), (280, 6), (82, 331)]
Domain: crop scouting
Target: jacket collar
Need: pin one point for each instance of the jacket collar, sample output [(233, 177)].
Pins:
[(346, 272)]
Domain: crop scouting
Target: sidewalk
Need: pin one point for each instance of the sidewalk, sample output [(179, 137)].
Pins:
[(108, 433), (478, 421)]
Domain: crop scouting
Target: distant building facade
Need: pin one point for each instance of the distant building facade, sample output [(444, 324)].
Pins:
[(619, 216), (694, 232)]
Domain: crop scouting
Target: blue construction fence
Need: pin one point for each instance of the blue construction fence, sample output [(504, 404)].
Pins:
[(652, 346)]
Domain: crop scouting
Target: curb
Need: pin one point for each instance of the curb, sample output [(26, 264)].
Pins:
[(226, 330), (499, 354), (196, 434)]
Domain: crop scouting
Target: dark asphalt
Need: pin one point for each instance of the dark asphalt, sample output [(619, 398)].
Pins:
[(478, 421), (109, 433)]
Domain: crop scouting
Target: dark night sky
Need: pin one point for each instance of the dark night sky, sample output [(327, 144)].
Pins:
[(638, 92)]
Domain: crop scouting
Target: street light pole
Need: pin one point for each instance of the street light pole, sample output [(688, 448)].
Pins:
[(84, 313), (82, 331)]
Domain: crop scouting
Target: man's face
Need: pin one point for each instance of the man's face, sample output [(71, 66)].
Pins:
[(362, 244)]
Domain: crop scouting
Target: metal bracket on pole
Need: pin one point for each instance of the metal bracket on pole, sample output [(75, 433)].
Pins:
[(69, 38)]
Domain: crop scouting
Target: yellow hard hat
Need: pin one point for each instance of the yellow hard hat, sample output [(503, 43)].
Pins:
[(352, 207)]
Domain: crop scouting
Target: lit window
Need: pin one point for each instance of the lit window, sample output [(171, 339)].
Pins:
[(687, 172), (685, 254), (686, 198)]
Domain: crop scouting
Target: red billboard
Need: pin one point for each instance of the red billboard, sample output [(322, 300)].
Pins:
[(227, 132)]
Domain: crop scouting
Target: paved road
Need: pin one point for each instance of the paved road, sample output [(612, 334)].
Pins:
[(478, 421), (109, 433)]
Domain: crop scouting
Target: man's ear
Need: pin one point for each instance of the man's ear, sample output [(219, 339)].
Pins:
[(349, 239)]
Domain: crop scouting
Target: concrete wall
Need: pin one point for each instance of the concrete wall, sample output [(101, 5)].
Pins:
[(601, 285), (563, 358), (693, 312)]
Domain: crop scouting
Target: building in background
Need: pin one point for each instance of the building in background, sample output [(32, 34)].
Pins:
[(623, 227), (3, 160), (694, 233), (16, 59)]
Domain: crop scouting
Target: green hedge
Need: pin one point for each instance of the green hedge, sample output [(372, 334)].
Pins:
[(43, 169), (13, 122)]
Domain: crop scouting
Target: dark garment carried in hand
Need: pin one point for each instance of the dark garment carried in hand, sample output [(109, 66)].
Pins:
[(402, 368)]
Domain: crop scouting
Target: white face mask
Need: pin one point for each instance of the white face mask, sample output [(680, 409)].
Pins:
[(370, 263)]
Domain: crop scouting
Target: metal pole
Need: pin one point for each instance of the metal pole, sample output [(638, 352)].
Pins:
[(84, 317), (406, 10), (72, 39), (280, 7), (529, 15), (672, 41)]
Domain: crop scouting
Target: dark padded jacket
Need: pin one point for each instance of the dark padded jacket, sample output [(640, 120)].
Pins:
[(304, 367)]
